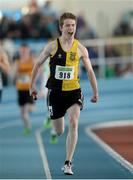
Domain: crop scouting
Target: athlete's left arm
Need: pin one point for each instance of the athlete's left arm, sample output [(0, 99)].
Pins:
[(87, 63), (4, 63)]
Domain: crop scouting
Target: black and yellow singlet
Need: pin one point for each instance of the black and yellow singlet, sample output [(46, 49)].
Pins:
[(64, 67)]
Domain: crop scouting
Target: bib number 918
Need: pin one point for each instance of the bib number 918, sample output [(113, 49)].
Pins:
[(64, 73)]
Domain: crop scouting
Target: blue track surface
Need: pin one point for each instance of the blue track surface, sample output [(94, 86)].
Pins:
[(20, 156)]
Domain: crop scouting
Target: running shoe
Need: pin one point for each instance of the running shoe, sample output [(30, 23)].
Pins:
[(26, 131), (67, 169), (47, 123), (53, 139)]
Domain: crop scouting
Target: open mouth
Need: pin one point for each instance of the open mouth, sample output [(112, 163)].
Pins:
[(70, 33)]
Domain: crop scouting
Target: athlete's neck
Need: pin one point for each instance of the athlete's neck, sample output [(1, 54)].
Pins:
[(66, 42)]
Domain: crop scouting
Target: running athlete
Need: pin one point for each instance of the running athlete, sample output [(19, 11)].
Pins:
[(4, 68), (64, 93), (22, 73)]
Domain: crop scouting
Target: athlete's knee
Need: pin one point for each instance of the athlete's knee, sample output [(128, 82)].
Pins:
[(60, 132), (73, 123)]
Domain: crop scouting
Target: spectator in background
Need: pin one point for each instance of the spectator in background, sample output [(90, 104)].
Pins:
[(122, 29), (84, 30), (93, 53), (38, 23), (33, 7), (125, 26), (13, 30), (45, 32), (53, 26), (127, 71), (35, 16), (4, 23), (51, 17), (112, 69), (25, 27), (47, 9)]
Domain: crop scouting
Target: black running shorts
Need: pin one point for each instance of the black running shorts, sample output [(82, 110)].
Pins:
[(59, 101), (24, 98)]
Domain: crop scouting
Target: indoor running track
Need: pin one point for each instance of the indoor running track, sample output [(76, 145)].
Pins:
[(33, 157)]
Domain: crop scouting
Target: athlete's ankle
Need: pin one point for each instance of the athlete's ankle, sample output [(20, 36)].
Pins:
[(67, 162)]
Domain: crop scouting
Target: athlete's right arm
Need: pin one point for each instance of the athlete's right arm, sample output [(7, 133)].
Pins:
[(4, 63), (48, 49)]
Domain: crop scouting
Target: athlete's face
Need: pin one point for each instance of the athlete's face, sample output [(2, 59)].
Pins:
[(69, 27)]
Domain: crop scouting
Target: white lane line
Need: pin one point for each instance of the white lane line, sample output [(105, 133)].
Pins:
[(112, 124), (43, 154), (40, 144), (106, 147)]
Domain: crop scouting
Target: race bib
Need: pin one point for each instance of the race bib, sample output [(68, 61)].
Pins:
[(24, 78), (64, 73)]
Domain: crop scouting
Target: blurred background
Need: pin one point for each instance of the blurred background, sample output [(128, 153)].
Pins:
[(104, 26)]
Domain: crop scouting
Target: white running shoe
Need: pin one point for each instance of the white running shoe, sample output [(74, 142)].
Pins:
[(67, 169)]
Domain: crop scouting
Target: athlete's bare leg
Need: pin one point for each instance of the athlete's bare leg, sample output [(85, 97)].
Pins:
[(25, 116), (30, 107), (58, 125), (72, 137)]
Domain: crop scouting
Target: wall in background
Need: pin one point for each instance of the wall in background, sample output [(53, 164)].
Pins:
[(103, 15)]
